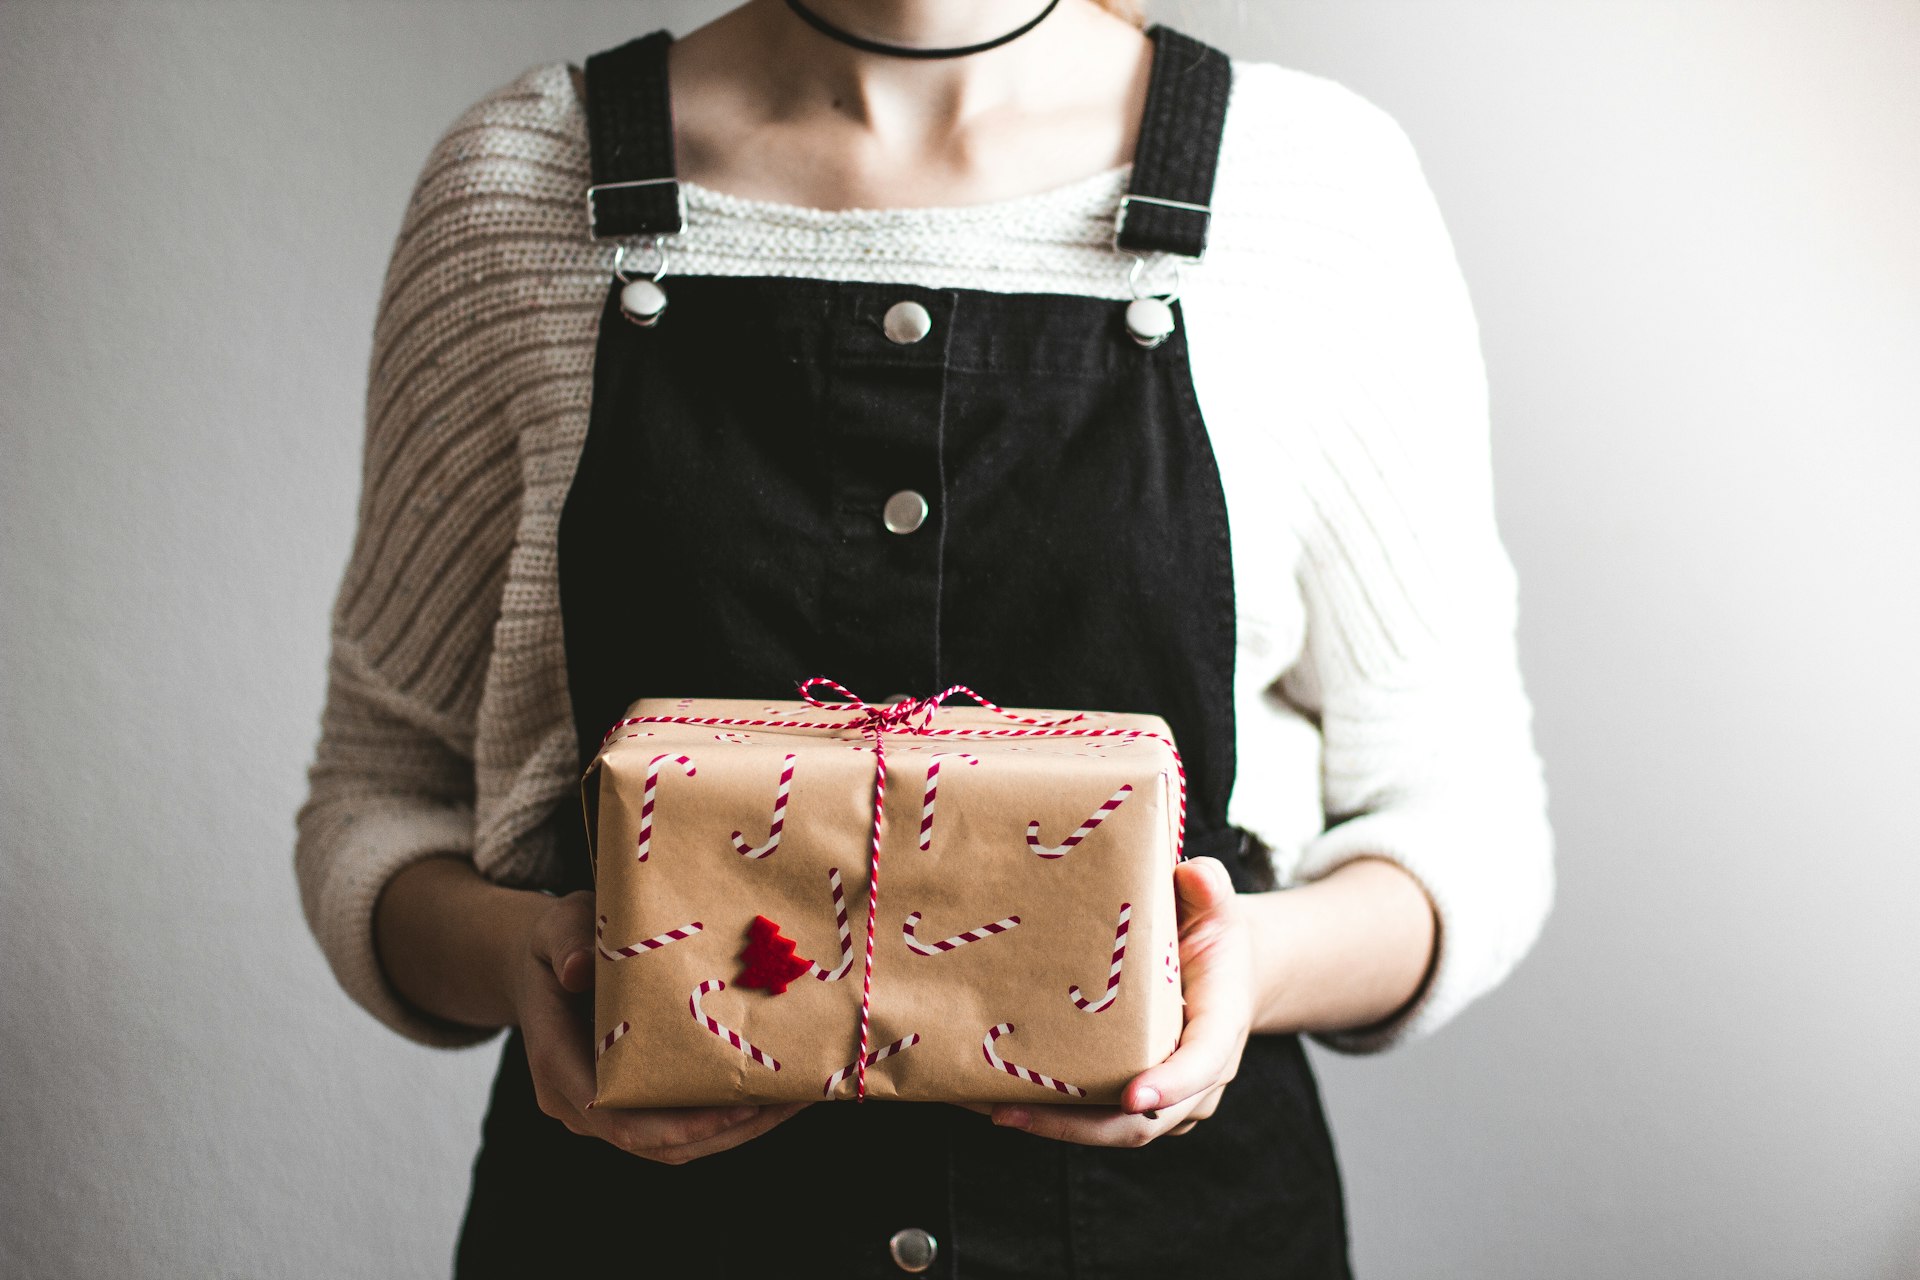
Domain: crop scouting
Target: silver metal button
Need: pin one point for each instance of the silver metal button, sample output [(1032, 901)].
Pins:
[(913, 1250), (907, 322), (642, 301), (1149, 320), (905, 511), (898, 697)]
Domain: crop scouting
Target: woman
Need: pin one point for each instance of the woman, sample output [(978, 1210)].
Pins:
[(858, 363)]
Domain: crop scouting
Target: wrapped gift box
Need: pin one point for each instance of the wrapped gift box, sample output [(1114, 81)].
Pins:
[(1025, 940)]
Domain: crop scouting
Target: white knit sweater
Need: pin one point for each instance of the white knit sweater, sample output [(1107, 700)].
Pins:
[(1336, 361)]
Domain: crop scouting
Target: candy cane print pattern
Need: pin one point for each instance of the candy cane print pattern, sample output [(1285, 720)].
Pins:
[(933, 787), (1020, 1072), (898, 1046), (740, 844), (914, 718), (608, 1040), (646, 798), (920, 948), (1085, 829), (1105, 1002), (731, 1036), (646, 944), (846, 933)]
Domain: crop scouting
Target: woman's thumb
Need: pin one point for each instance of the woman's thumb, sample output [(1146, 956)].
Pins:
[(573, 967), (570, 949), (1202, 885)]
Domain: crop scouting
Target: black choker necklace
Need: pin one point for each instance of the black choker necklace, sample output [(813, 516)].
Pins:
[(826, 28)]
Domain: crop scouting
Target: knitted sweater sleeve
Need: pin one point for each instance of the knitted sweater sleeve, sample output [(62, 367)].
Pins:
[(393, 776), (1410, 661)]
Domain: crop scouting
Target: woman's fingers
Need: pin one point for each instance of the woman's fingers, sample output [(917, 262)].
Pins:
[(646, 1131), (1092, 1126), (1216, 965), (1088, 1126), (756, 1122), (1108, 1126)]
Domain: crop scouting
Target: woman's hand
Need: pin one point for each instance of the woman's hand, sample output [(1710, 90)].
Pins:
[(1216, 964), (547, 980), (459, 947)]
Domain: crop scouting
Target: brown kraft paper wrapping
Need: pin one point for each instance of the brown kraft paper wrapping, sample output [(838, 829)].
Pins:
[(979, 869)]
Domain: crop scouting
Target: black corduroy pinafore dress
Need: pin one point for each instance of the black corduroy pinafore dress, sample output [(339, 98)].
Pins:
[(903, 488)]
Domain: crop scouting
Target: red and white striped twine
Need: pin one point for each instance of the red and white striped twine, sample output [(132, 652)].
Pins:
[(1105, 1002), (957, 940), (726, 1033), (1024, 1073), (647, 797), (846, 933), (873, 914), (933, 788), (779, 820), (1081, 832), (898, 1046), (644, 945), (911, 716)]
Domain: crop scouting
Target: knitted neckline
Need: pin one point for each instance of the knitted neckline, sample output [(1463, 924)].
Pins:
[(1068, 202), (1058, 240)]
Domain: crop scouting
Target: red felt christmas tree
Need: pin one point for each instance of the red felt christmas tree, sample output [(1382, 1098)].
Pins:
[(769, 962)]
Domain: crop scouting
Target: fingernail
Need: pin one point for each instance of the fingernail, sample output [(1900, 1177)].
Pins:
[(1145, 1099), (1013, 1118)]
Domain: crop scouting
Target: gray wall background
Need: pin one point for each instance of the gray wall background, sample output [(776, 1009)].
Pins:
[(1690, 228)]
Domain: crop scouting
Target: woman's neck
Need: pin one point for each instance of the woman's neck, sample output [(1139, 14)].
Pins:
[(768, 106), (889, 94)]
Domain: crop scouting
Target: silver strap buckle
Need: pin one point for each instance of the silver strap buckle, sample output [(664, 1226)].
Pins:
[(679, 196), (1120, 220)]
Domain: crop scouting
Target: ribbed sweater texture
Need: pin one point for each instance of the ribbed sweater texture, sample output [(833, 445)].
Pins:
[(1336, 360)]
